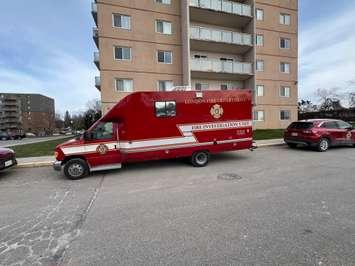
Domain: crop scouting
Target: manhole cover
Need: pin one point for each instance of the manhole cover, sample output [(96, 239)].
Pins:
[(229, 176)]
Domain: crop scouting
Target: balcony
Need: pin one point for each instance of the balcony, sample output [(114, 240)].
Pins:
[(97, 59), (94, 11), (9, 120), (213, 40), (95, 36), (223, 70), (221, 12), (10, 108), (98, 83)]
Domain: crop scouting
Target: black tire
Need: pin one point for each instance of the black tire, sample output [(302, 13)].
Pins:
[(323, 145), (292, 145), (200, 158), (75, 169)]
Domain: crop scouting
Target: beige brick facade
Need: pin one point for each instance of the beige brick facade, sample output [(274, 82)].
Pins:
[(212, 44)]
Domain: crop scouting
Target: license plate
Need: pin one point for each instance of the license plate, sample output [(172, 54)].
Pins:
[(294, 134), (8, 163)]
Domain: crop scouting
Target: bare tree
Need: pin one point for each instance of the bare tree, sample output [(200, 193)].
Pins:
[(330, 99), (352, 99), (306, 106)]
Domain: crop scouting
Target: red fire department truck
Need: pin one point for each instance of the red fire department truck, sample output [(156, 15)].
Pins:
[(160, 125)]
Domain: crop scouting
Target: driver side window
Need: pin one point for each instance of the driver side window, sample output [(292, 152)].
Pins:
[(103, 131)]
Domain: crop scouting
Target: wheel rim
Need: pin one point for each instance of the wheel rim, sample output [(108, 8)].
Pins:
[(201, 158), (76, 170), (324, 145)]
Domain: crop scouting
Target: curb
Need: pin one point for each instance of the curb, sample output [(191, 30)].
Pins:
[(270, 145), (34, 164), (50, 163)]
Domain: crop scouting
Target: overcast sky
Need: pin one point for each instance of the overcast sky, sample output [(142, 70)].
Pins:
[(46, 47)]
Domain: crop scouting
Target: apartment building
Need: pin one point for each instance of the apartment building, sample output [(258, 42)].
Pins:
[(28, 112), (204, 44)]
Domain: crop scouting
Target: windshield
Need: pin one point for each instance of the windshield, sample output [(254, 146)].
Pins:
[(301, 125)]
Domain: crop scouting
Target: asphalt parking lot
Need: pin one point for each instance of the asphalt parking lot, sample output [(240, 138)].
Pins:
[(271, 206)]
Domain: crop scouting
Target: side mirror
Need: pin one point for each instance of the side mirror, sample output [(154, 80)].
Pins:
[(87, 135)]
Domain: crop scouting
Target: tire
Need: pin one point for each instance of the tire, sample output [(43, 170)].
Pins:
[(292, 145), (323, 145), (75, 169), (200, 158)]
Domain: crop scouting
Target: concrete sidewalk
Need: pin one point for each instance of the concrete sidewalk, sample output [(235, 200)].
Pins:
[(48, 160)]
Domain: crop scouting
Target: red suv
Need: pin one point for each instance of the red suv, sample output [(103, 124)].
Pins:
[(320, 133)]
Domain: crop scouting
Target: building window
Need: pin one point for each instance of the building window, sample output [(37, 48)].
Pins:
[(259, 40), (165, 109), (165, 85), (285, 43), (224, 87), (260, 90), (259, 14), (260, 65), (259, 116), (124, 85), (122, 21), (285, 91), (285, 19), (201, 86), (285, 68), (165, 57), (163, 27), (122, 53), (285, 115), (165, 2)]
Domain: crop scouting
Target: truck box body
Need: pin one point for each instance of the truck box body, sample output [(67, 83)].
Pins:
[(161, 125)]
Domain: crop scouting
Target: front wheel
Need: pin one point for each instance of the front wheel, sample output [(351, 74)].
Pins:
[(323, 145), (200, 158), (76, 169)]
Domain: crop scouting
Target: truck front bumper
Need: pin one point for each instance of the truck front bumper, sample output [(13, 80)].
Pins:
[(57, 165)]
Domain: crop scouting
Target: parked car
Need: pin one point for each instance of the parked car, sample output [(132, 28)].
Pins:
[(30, 135), (5, 136), (11, 135), (7, 158), (320, 134)]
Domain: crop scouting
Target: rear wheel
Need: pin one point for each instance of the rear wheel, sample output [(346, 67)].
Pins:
[(200, 158), (292, 145), (323, 145), (76, 169)]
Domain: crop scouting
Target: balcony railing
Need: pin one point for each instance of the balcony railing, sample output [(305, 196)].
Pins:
[(223, 6), (221, 66), (98, 82), (94, 7), (95, 32), (94, 11), (207, 34), (97, 59)]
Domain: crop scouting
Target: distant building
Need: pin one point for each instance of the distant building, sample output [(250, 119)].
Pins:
[(29, 112)]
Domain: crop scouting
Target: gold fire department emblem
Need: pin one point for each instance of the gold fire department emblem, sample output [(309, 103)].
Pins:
[(102, 149), (216, 111)]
